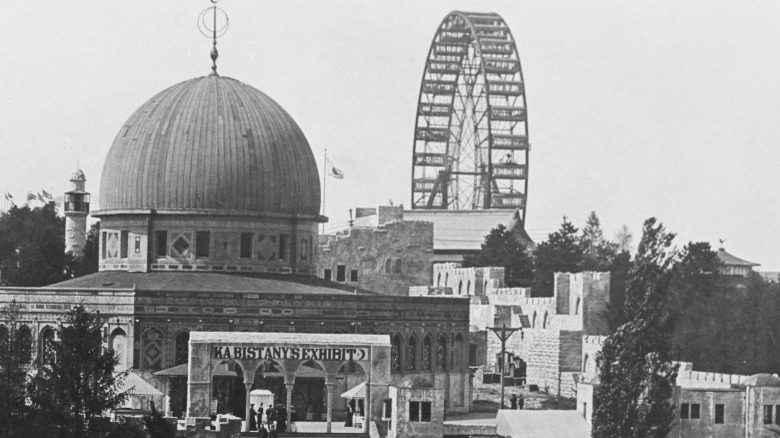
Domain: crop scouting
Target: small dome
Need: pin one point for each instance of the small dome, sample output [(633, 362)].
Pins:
[(211, 143), (77, 175), (762, 380)]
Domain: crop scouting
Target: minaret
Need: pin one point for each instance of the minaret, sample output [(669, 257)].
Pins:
[(76, 211)]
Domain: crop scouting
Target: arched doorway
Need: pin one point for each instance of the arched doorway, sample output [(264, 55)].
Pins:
[(269, 376), (228, 392), (309, 397), (46, 345)]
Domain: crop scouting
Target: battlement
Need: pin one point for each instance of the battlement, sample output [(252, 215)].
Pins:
[(593, 340)]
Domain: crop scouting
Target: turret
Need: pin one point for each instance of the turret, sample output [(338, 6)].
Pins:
[(76, 210)]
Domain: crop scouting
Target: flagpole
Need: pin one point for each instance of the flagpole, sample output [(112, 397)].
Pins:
[(324, 186)]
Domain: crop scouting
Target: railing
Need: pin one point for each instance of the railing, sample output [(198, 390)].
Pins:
[(507, 113), (511, 142), (506, 88)]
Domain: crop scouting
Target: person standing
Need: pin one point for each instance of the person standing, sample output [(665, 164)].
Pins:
[(520, 402), (274, 433), (348, 421), (252, 418), (262, 432), (260, 413), (513, 402)]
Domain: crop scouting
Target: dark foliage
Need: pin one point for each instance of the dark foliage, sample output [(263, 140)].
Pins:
[(561, 252), (501, 248), (15, 350), (636, 374), (32, 247)]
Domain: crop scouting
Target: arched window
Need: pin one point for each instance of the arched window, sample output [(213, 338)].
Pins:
[(457, 353), (182, 348), (447, 279), (460, 287), (118, 343), (438, 280), (577, 307), (426, 354), (411, 353), (24, 338), (441, 354), (151, 350), (544, 321), (585, 364), (395, 354), (46, 345), (533, 321), (468, 288)]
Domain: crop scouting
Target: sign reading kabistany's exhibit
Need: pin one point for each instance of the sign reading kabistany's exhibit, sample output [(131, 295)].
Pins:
[(315, 353)]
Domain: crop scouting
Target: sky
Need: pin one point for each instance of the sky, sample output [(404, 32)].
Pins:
[(636, 109)]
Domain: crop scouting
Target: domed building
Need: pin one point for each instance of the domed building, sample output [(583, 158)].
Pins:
[(209, 208)]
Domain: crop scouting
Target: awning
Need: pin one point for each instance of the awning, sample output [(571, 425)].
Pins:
[(136, 385), (181, 371), (359, 391)]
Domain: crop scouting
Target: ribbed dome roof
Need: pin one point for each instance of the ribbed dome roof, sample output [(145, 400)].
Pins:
[(211, 143)]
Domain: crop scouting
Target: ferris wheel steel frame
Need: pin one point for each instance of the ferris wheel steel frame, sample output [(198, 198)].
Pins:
[(471, 145)]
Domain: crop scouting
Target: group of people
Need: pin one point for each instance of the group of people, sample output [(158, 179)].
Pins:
[(271, 421), (516, 402)]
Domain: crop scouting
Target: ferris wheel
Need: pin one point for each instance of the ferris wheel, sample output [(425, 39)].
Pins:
[(471, 135)]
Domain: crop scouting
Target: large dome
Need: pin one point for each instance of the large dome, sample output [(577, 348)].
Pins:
[(211, 144)]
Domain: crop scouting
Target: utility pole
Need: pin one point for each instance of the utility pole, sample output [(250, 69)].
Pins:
[(503, 333)]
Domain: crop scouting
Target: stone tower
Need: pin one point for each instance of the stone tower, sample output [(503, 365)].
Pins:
[(76, 210)]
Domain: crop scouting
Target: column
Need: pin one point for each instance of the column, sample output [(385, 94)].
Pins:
[(329, 388), (248, 387), (289, 387), (367, 406)]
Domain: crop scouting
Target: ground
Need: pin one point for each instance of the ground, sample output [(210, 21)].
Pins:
[(486, 399)]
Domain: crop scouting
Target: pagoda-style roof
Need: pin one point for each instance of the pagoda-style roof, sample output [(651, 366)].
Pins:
[(730, 260)]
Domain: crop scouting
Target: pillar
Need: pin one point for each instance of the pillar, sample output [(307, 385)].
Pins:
[(329, 388), (289, 387), (248, 387), (249, 380), (367, 407)]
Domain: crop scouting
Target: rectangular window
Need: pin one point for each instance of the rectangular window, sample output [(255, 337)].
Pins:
[(123, 244), (161, 243), (138, 244), (777, 415), (473, 355), (103, 246), (387, 407), (695, 411), (685, 411), (414, 411), (719, 409), (304, 248), (425, 411), (767, 414), (328, 274), (202, 244), (341, 273), (353, 275), (246, 245), (283, 242)]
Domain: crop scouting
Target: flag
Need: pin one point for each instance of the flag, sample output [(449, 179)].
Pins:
[(30, 196), (47, 195), (8, 196), (334, 171), (40, 198)]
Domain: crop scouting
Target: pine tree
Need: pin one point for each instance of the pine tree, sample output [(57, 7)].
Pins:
[(598, 253), (636, 374), (71, 392), (501, 248), (561, 252)]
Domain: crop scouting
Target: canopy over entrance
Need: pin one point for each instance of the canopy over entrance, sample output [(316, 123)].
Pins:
[(359, 391), (292, 354)]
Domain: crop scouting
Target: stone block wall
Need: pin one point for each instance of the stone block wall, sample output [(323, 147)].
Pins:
[(388, 259), (467, 281), (401, 427)]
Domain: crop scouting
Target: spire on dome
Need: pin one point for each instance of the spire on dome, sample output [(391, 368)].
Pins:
[(213, 30)]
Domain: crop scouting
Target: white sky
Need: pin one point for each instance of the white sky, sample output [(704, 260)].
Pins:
[(636, 109)]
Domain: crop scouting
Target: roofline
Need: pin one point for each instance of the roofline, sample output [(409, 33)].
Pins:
[(209, 212)]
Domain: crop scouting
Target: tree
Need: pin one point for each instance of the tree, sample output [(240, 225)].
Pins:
[(561, 252), (598, 253), (32, 246), (15, 352), (623, 239), (501, 248), (636, 374), (71, 391)]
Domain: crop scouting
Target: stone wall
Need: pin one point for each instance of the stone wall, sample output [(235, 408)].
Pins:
[(402, 427), (387, 259)]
